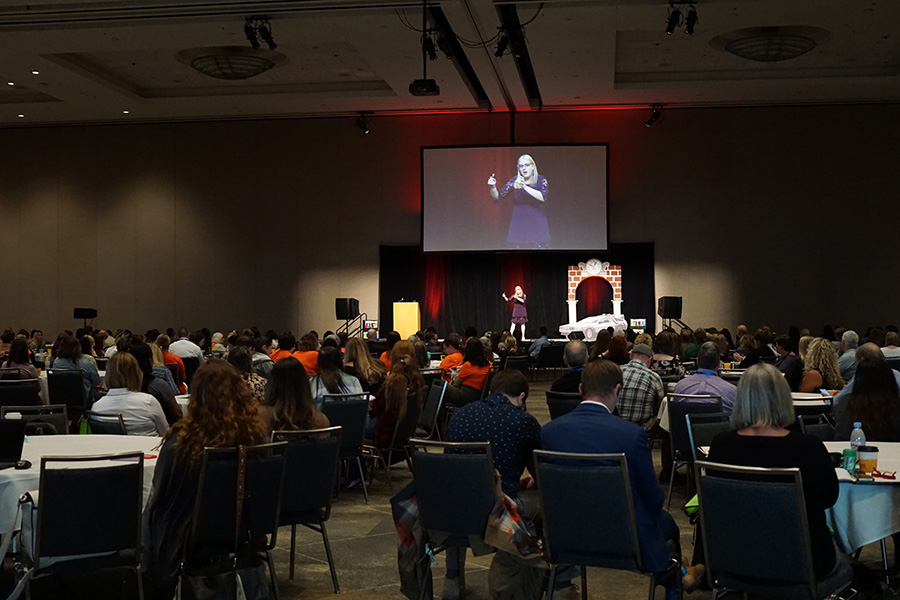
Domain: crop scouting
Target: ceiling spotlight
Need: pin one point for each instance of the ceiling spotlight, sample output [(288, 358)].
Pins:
[(250, 32), (265, 32), (21, 116), (502, 45), (674, 20), (35, 72), (10, 83), (655, 116), (444, 47), (362, 121), (125, 112), (690, 21)]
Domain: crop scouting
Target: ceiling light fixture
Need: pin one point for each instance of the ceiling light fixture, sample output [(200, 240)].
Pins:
[(258, 28), (655, 116), (691, 21), (125, 112), (231, 62), (444, 47), (677, 11), (771, 44), (674, 19), (10, 83), (265, 32), (21, 116), (502, 45), (35, 72), (362, 121), (250, 33)]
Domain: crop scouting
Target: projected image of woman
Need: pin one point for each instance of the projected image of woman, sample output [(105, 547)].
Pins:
[(528, 226), (519, 312)]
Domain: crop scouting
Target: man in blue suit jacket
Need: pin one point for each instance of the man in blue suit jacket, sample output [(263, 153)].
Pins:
[(592, 428)]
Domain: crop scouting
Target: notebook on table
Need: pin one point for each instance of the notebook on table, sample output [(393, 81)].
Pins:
[(12, 438)]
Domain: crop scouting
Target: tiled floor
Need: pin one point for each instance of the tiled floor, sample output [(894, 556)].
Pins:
[(364, 543)]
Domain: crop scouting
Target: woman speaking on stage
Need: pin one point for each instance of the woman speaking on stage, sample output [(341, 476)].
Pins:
[(528, 226), (519, 312)]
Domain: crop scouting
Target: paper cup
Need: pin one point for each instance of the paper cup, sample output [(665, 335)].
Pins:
[(867, 461)]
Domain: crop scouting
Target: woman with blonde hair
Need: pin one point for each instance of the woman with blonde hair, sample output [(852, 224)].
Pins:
[(142, 414), (820, 368), (359, 363), (528, 227), (221, 414), (403, 383), (803, 346)]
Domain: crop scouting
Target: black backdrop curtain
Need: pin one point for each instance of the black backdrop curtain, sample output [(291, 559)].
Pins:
[(458, 290)]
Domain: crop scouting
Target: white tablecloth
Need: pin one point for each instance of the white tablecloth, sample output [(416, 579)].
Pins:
[(14, 483), (801, 400), (45, 389), (869, 510)]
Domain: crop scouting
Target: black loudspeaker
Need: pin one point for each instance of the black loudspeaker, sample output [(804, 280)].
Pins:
[(346, 308), (669, 307), (85, 313)]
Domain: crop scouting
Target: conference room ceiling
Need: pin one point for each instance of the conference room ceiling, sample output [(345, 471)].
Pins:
[(95, 60)]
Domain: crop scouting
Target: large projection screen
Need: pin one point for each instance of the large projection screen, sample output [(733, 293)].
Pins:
[(548, 197)]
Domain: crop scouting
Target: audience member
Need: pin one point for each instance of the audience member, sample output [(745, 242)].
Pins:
[(163, 341), (222, 413), (392, 338), (359, 362), (664, 360), (288, 403), (690, 352), (239, 358), (69, 358), (453, 357), (262, 363), (642, 389), (592, 428), (287, 343), (803, 346), (184, 347), (601, 345), (821, 369), (706, 381), (331, 378), (891, 345), (375, 347), (575, 356), (513, 433), (308, 352), (469, 380), (6, 339), (535, 348), (788, 362), (402, 388), (36, 343), (874, 401), (142, 414), (18, 364), (618, 350), (160, 371), (161, 391), (763, 411), (847, 360)]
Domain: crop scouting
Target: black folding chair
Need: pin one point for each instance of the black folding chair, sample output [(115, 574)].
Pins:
[(97, 539), (818, 425), (20, 392), (560, 403), (350, 415), (756, 534), (488, 380), (703, 427), (455, 489), (211, 540), (42, 420), (105, 423), (191, 364), (427, 427), (312, 461), (572, 487), (682, 452), (404, 430), (67, 387)]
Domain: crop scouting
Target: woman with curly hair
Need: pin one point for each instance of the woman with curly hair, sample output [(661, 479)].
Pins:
[(389, 406), (221, 413), (820, 369)]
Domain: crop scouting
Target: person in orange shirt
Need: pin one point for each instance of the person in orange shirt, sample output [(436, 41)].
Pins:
[(163, 342), (308, 352), (286, 343), (466, 386), (389, 341), (453, 357)]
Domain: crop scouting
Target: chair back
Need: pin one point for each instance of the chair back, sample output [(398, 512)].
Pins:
[(191, 364), (20, 392), (681, 405), (105, 423), (488, 381), (405, 428), (703, 427), (102, 361), (350, 415), (766, 511), (519, 363), (455, 487), (588, 510), (42, 420), (66, 386), (13, 374), (432, 409), (430, 376), (343, 397), (117, 487), (173, 369), (212, 530), (560, 403), (894, 363), (551, 357), (817, 425), (311, 467)]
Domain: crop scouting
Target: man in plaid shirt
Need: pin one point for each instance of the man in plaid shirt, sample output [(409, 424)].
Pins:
[(642, 389)]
